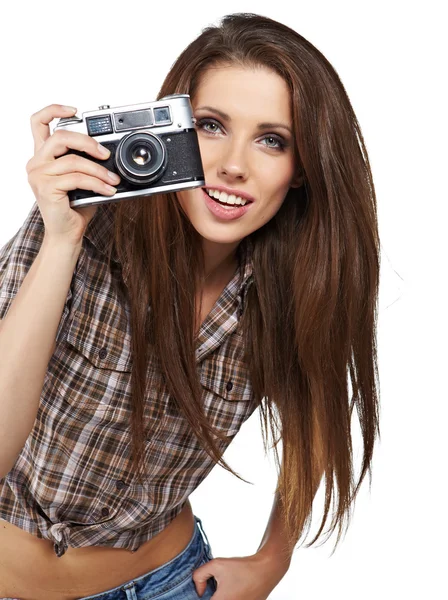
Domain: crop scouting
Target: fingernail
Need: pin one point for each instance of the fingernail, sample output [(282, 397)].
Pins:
[(69, 108), (102, 150), (113, 177)]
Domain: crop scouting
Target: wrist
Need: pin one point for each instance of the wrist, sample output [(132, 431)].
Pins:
[(61, 245), (273, 563)]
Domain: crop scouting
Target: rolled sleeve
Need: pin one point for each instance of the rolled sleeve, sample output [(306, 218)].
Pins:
[(17, 256)]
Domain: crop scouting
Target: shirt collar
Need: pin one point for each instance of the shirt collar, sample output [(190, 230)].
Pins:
[(247, 273)]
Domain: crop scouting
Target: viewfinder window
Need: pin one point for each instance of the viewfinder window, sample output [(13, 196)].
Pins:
[(162, 115)]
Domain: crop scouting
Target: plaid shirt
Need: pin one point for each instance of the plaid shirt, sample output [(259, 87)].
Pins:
[(71, 484)]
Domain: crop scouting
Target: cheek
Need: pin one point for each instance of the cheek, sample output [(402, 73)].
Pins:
[(271, 210), (278, 176), (210, 154)]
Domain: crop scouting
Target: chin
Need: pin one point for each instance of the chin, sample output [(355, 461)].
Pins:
[(219, 239)]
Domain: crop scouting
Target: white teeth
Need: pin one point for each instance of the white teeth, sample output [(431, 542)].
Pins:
[(223, 197)]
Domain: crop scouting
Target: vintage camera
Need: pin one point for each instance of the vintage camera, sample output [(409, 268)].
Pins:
[(154, 148)]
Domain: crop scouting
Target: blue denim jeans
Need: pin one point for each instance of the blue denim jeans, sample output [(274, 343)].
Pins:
[(171, 581)]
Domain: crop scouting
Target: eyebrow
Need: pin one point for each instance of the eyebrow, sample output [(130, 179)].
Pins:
[(260, 126)]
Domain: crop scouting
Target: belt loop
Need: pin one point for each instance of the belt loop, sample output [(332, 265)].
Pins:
[(204, 535)]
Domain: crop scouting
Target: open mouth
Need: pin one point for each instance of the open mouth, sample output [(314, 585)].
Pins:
[(225, 211), (226, 199)]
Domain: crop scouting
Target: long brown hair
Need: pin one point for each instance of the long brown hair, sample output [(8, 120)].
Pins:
[(310, 315)]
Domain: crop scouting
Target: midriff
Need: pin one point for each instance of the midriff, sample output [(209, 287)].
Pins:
[(30, 570)]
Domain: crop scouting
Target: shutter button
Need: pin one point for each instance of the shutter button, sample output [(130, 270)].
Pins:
[(102, 353), (229, 386)]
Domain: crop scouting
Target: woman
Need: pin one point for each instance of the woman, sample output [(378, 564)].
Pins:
[(164, 322)]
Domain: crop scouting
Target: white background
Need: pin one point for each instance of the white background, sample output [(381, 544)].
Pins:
[(389, 56)]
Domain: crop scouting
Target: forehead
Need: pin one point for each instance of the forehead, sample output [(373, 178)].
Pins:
[(238, 90)]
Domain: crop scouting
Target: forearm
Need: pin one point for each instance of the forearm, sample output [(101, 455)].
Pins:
[(274, 546)]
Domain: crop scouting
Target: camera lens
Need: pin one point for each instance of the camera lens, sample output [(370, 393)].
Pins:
[(141, 157)]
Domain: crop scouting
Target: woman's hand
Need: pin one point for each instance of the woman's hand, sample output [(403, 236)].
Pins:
[(244, 578), (52, 173)]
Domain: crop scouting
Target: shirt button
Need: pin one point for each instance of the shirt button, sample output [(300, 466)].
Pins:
[(120, 484), (102, 353), (105, 512), (229, 386)]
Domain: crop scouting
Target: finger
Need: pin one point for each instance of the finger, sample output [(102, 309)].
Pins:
[(61, 141), (41, 119), (71, 163), (65, 183)]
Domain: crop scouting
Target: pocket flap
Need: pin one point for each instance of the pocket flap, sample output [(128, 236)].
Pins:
[(227, 378), (106, 346), (228, 396)]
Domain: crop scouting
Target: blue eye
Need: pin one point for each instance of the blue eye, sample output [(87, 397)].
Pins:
[(281, 145), (203, 123)]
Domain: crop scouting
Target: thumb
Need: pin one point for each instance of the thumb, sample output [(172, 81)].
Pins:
[(201, 575), (87, 212)]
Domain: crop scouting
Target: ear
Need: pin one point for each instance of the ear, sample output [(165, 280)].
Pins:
[(297, 181)]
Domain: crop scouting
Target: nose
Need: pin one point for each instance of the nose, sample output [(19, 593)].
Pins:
[(233, 163)]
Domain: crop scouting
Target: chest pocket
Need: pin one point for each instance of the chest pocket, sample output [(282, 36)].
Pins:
[(227, 393), (92, 371), (105, 346)]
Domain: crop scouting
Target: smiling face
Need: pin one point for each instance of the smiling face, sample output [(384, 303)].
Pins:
[(237, 154)]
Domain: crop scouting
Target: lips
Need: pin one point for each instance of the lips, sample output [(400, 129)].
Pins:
[(223, 213), (229, 191)]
